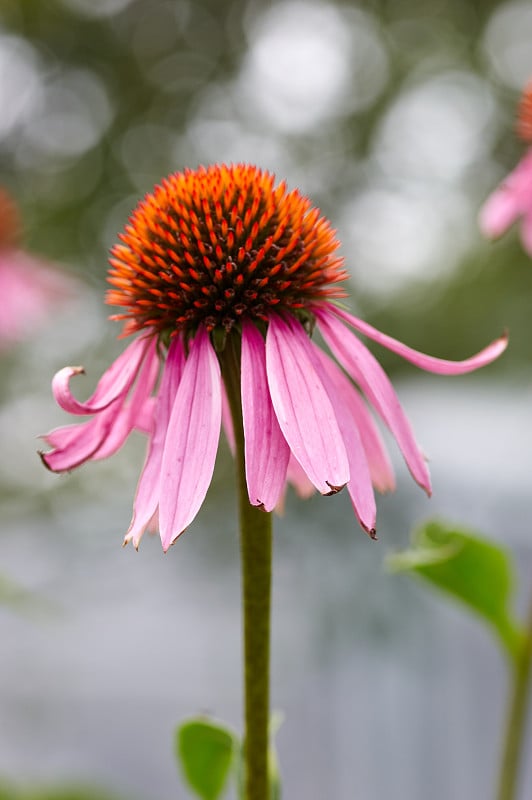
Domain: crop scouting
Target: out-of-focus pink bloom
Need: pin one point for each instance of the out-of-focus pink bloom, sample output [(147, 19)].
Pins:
[(222, 253), (29, 288), (512, 200)]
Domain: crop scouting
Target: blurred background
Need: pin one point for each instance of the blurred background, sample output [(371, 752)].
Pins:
[(397, 118)]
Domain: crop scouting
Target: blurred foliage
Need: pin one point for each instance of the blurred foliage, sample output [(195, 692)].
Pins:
[(469, 568), (9, 792), (119, 88)]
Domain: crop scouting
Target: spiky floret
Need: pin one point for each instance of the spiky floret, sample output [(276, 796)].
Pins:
[(524, 115), (217, 244)]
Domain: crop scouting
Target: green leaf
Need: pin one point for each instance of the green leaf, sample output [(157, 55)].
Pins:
[(472, 569), (205, 751)]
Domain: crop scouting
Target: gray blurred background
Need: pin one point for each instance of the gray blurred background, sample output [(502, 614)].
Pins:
[(396, 117)]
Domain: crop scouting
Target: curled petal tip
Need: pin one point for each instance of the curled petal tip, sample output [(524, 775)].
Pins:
[(372, 533), (334, 489), (42, 456)]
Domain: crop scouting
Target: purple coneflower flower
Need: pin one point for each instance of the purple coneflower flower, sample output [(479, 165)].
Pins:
[(29, 288), (218, 254), (512, 200)]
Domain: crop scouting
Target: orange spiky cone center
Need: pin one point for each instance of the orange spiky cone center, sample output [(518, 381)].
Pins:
[(524, 115), (217, 244)]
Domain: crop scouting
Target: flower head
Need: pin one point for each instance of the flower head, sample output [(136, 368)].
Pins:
[(221, 259), (512, 200), (29, 288)]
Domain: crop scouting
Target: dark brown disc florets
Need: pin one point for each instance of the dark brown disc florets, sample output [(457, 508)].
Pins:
[(217, 244)]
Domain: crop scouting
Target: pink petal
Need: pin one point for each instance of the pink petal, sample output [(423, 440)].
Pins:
[(437, 365), (114, 383), (191, 441), (499, 211), (131, 410), (380, 467), (302, 406), (145, 420), (266, 450), (359, 487), (147, 496), (75, 444), (103, 435), (511, 200), (366, 371)]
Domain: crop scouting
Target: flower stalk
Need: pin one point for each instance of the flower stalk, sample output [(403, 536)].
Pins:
[(256, 557), (517, 716)]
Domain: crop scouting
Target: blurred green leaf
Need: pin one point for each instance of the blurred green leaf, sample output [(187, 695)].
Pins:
[(65, 793), (205, 751), (9, 792), (472, 569), (14, 595)]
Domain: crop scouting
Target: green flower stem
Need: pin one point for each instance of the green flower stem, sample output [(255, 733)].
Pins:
[(256, 553), (517, 716)]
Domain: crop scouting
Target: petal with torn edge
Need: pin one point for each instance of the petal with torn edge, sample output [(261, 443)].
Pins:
[(302, 406), (360, 487)]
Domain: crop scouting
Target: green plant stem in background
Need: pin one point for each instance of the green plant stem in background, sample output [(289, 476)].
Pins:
[(256, 554), (517, 716)]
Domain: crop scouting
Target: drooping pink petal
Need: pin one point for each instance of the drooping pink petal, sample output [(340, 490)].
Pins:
[(114, 383), (147, 496), (75, 444), (366, 371), (145, 420), (500, 210), (266, 450), (359, 487), (191, 440), (302, 406), (103, 435), (509, 201), (429, 363), (380, 467), (132, 408)]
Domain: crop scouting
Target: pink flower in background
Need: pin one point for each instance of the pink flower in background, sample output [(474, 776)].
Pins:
[(512, 200), (218, 260), (29, 288)]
